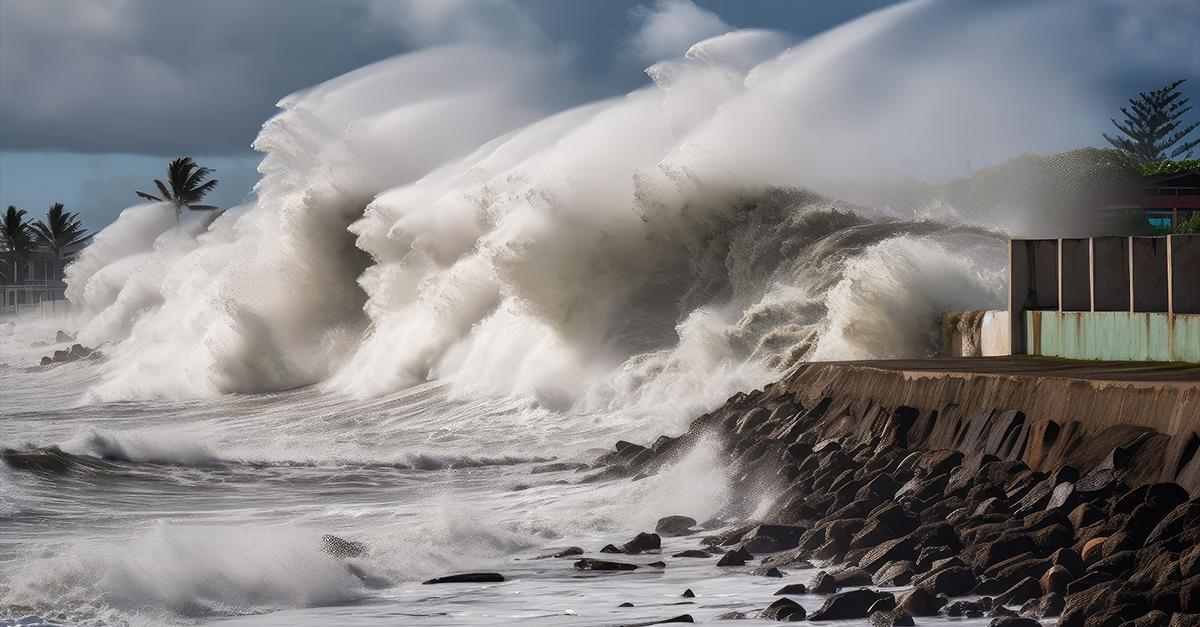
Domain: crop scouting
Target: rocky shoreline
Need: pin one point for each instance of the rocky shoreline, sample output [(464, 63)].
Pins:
[(987, 512)]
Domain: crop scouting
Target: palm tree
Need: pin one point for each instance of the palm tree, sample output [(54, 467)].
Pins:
[(16, 236), (61, 229), (185, 188)]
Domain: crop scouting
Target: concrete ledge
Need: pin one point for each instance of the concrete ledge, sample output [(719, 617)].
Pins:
[(1097, 396)]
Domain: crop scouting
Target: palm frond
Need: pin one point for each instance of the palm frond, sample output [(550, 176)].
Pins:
[(148, 196)]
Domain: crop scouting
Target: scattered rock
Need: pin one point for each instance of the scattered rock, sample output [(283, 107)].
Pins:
[(792, 588), (771, 538), (735, 558), (893, 618), (657, 564), (642, 542), (588, 563), (1014, 621), (692, 553), (626, 604), (468, 578), (608, 548), (1056, 579), (688, 594), (921, 602), (674, 526), (783, 609), (849, 604)]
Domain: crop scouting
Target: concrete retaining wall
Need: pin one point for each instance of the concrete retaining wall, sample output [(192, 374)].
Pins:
[(1113, 336)]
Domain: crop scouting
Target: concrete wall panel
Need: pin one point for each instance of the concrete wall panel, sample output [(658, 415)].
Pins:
[(1114, 336), (1148, 281), (1074, 275), (1185, 274), (1110, 274)]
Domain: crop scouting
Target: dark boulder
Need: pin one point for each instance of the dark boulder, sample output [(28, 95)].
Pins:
[(688, 594), (692, 553), (674, 526), (1026, 589), (737, 557), (792, 588), (1013, 621), (642, 542), (783, 609), (608, 548), (588, 563), (968, 609), (921, 602), (899, 573), (1046, 606), (468, 578), (771, 538), (1056, 579), (892, 618), (952, 582), (847, 605)]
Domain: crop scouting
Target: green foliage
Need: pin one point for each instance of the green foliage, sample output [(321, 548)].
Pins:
[(59, 230), (185, 186), (1151, 131), (15, 232), (1190, 227), (1170, 167)]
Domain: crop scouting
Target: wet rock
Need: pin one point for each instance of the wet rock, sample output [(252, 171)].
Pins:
[(642, 542), (1093, 550), (63, 337), (697, 553), (769, 571), (1046, 606), (674, 526), (1056, 579), (688, 594), (1085, 515), (588, 563), (892, 618), (1089, 581), (921, 602), (849, 604), (341, 547), (969, 609), (557, 467), (894, 574), (792, 588), (608, 548), (467, 578), (737, 557), (1069, 559), (626, 604), (900, 549), (46, 361), (783, 609), (733, 616), (1028, 588), (657, 564), (953, 581), (1013, 621), (570, 551), (771, 538)]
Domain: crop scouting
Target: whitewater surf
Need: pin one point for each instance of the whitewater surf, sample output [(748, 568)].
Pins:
[(455, 286)]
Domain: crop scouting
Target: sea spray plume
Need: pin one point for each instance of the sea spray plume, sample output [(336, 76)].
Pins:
[(539, 263), (221, 328)]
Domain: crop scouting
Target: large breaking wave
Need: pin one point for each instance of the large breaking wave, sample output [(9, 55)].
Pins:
[(449, 214)]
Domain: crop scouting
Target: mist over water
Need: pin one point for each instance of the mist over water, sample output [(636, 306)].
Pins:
[(467, 271)]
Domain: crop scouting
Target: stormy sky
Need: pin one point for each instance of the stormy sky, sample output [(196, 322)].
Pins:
[(96, 95)]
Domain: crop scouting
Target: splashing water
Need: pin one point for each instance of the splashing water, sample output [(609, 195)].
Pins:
[(466, 271)]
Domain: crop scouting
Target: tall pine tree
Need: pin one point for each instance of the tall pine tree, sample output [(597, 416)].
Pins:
[(1151, 126)]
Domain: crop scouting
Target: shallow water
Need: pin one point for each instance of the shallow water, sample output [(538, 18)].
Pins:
[(156, 513)]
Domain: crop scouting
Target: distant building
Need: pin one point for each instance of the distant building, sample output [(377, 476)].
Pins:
[(1171, 199), (34, 279)]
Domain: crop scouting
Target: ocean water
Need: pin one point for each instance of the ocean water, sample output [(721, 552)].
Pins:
[(453, 272)]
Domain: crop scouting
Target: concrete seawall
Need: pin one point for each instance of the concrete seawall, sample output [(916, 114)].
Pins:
[(1045, 413)]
